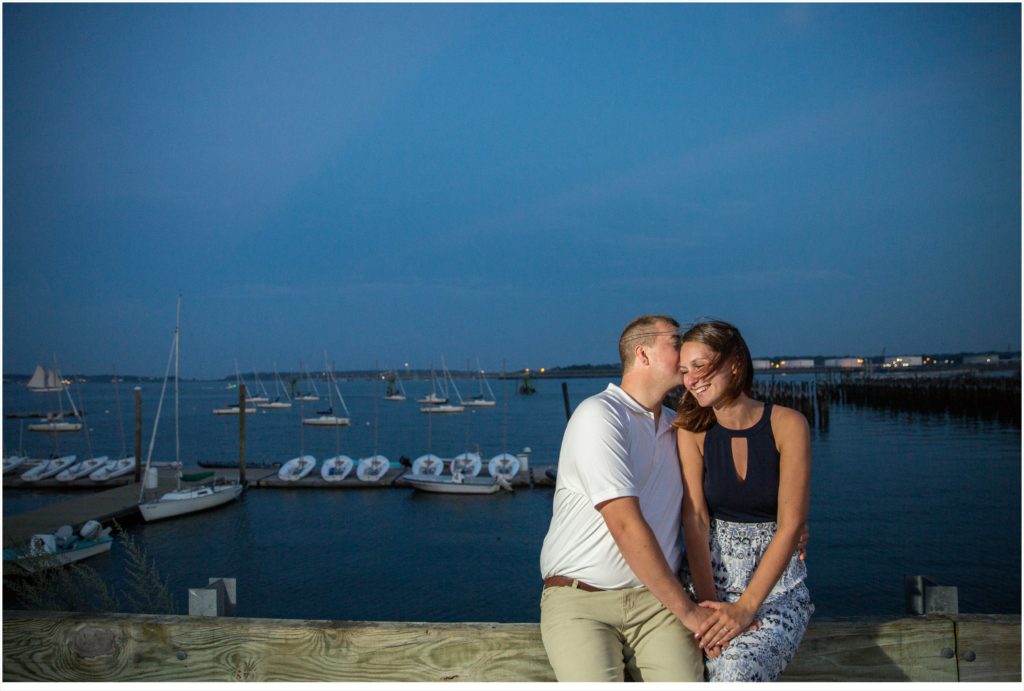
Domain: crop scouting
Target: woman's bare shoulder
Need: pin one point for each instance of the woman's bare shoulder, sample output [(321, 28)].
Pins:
[(788, 421)]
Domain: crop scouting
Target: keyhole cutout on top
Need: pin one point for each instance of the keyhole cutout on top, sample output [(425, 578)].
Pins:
[(739, 457)]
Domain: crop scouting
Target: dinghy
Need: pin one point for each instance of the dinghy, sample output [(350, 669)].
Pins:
[(503, 465), (49, 468), (114, 469), (469, 464), (297, 468), (12, 463), (373, 468), (428, 464), (337, 468), (86, 467)]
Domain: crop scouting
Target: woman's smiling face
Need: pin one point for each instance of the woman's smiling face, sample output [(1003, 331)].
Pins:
[(695, 361)]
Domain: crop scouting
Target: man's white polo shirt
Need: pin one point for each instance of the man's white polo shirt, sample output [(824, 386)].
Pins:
[(611, 449)]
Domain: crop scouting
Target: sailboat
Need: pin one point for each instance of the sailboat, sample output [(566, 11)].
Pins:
[(262, 396), (327, 418), (277, 402), (43, 380), (395, 392), (435, 397), (55, 421), (446, 407), (483, 398), (308, 396), (181, 500)]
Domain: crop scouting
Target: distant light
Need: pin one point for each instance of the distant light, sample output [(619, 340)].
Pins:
[(542, 370)]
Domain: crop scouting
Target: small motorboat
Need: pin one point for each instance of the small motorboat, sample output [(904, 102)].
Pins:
[(46, 551)]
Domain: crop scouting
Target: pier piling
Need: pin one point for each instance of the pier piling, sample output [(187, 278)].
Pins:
[(138, 434), (241, 434)]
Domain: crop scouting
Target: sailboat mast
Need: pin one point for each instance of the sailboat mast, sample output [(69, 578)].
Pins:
[(177, 359)]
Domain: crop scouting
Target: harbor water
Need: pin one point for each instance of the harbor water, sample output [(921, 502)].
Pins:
[(893, 494)]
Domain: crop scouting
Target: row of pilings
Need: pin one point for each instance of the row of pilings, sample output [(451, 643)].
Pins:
[(802, 396), (968, 395)]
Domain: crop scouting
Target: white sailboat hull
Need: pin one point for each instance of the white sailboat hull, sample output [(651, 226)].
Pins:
[(233, 411), (55, 427), (326, 421), (442, 409), (182, 502)]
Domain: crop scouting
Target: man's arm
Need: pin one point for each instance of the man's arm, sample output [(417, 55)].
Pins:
[(642, 553)]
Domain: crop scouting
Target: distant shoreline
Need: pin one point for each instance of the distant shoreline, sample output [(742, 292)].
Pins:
[(597, 371)]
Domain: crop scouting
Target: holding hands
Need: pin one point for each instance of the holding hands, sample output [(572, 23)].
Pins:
[(726, 621)]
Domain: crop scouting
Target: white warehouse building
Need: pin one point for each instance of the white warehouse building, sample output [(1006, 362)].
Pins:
[(845, 362)]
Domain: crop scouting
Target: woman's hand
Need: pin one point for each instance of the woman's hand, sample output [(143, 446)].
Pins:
[(728, 620)]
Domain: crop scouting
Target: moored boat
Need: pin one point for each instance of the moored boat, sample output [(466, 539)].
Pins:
[(50, 550), (457, 484)]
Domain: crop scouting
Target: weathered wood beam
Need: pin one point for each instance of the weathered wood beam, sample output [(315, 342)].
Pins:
[(60, 646)]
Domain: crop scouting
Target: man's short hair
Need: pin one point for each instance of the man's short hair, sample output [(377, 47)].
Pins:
[(641, 331)]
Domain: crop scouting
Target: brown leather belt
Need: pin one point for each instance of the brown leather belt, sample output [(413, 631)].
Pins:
[(563, 581)]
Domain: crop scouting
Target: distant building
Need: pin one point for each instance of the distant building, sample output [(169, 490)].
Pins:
[(903, 361), (800, 362), (762, 364), (845, 362), (989, 359)]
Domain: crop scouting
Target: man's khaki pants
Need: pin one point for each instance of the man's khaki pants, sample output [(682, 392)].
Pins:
[(597, 636)]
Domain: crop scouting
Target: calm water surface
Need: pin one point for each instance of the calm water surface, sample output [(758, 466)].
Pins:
[(892, 495)]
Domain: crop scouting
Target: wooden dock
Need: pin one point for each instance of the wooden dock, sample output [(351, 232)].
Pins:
[(103, 505), (79, 647)]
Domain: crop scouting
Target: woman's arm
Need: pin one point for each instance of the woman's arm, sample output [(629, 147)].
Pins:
[(794, 443), (696, 523)]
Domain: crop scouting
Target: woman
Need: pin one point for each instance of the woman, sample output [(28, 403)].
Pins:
[(746, 473)]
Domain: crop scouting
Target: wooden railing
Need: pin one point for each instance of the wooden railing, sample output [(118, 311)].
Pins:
[(61, 646)]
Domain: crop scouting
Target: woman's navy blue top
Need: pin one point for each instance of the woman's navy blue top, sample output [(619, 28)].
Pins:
[(754, 499)]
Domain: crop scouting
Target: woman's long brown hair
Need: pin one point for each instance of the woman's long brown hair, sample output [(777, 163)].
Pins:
[(730, 350)]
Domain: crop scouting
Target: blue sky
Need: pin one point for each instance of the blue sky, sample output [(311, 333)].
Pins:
[(504, 182)]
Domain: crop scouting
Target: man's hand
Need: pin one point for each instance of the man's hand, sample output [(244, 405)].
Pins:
[(801, 543)]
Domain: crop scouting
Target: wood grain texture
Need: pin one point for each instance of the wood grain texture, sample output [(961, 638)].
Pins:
[(57, 646), (988, 648)]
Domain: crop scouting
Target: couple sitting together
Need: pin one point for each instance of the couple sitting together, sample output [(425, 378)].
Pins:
[(725, 473)]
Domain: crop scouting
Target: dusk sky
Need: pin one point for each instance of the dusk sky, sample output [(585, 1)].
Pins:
[(508, 183)]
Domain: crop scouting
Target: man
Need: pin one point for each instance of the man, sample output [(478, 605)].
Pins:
[(611, 601)]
